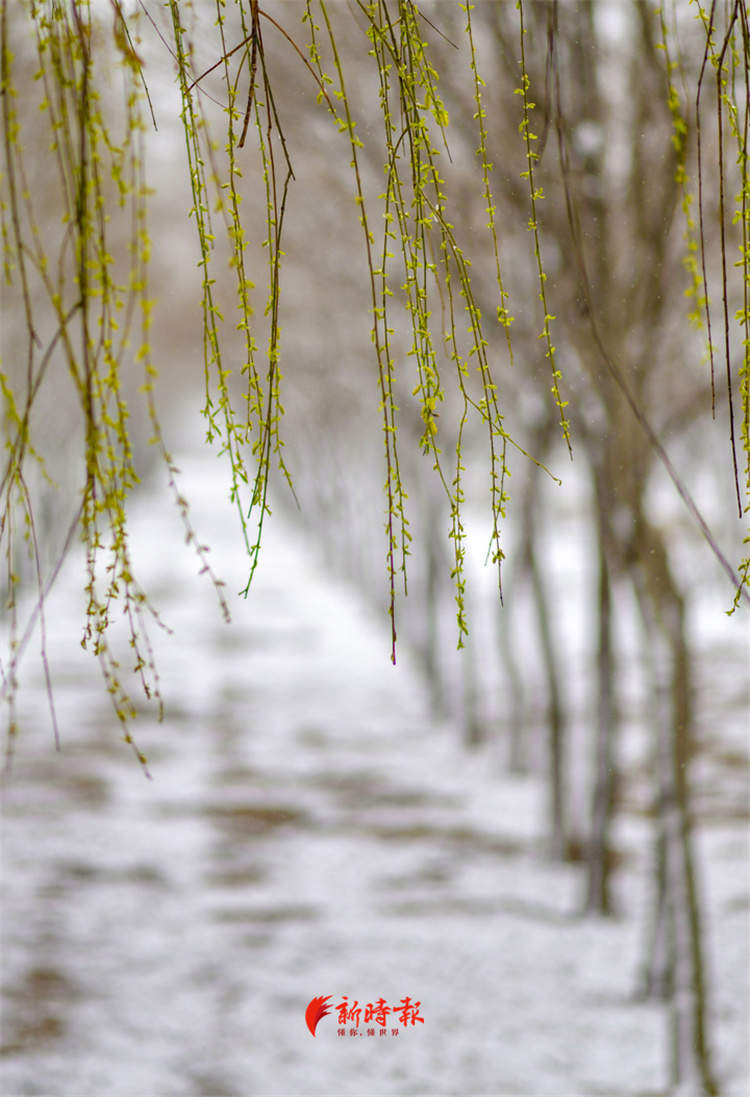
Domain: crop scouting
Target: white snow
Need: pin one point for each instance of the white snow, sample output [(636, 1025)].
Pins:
[(309, 831)]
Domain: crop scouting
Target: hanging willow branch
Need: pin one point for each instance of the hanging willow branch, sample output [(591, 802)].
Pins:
[(87, 317), (730, 60)]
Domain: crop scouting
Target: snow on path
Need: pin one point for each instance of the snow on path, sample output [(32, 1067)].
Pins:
[(308, 831)]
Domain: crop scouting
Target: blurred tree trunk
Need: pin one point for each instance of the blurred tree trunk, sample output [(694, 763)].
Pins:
[(543, 607), (663, 611), (599, 855), (514, 698), (658, 963), (556, 718)]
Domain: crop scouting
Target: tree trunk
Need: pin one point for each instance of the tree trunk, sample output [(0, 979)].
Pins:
[(663, 611), (599, 855), (658, 967), (555, 714), (556, 725), (518, 755)]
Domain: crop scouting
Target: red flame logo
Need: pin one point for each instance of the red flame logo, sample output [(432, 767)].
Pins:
[(315, 1011)]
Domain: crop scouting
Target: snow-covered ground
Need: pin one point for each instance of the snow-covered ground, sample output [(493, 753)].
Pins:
[(309, 831)]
